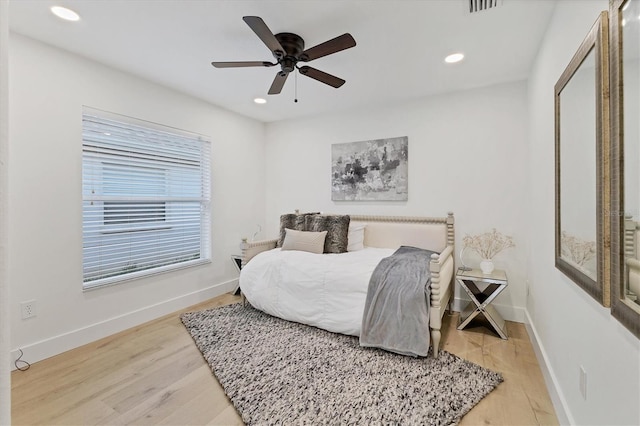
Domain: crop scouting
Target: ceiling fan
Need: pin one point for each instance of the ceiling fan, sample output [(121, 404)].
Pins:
[(288, 50)]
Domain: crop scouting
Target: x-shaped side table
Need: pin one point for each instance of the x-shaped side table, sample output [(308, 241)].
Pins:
[(482, 289)]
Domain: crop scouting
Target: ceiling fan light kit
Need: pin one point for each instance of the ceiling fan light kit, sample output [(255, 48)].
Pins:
[(288, 50)]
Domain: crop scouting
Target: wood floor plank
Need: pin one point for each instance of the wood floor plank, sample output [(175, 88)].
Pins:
[(154, 374), (159, 375), (92, 412), (161, 404), (212, 401), (229, 417), (100, 378)]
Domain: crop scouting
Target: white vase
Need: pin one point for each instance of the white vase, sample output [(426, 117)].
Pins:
[(486, 265)]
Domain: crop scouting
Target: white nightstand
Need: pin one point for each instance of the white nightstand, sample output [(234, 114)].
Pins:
[(482, 289)]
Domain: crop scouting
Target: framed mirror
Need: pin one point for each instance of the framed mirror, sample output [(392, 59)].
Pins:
[(582, 168), (625, 162)]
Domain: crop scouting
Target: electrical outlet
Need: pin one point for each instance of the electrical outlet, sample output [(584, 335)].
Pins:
[(583, 382), (28, 309)]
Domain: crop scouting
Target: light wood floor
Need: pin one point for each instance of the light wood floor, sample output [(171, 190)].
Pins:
[(154, 374)]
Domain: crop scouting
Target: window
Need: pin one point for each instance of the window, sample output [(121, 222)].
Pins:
[(145, 198)]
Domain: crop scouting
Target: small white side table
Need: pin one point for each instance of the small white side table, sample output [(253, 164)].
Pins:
[(482, 289)]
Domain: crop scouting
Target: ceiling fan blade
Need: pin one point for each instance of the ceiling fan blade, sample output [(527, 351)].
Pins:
[(266, 35), (278, 82), (345, 41), (242, 64), (321, 76)]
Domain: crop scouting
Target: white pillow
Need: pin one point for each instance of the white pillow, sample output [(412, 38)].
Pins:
[(313, 242), (355, 237)]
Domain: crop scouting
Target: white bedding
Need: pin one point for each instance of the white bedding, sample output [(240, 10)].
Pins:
[(328, 293)]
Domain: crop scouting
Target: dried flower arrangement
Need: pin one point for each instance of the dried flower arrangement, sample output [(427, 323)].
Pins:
[(577, 249), (489, 244)]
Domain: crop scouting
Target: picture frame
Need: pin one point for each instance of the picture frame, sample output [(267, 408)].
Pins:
[(373, 170), (624, 210), (581, 105)]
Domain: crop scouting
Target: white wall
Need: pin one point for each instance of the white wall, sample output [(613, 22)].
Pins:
[(48, 89), (467, 154), (5, 344), (572, 329)]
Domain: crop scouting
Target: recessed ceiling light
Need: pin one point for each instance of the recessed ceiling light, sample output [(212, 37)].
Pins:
[(260, 100), (64, 13), (454, 57)]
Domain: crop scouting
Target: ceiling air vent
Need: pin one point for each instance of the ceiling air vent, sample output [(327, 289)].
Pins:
[(480, 5)]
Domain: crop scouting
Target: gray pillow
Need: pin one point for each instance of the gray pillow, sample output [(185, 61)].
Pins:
[(292, 221), (337, 227)]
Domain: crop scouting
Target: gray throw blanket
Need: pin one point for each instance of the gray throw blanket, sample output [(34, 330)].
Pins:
[(396, 312)]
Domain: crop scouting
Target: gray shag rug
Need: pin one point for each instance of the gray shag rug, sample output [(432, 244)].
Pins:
[(280, 372)]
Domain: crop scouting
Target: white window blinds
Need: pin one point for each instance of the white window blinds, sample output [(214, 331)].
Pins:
[(145, 198)]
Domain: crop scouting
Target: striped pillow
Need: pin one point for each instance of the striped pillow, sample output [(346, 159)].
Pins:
[(313, 242)]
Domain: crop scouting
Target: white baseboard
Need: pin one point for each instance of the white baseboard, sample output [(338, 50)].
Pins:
[(557, 398), (510, 313), (58, 344)]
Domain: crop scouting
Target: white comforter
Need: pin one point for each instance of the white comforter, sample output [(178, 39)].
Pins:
[(327, 291)]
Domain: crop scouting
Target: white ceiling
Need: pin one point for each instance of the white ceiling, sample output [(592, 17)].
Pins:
[(399, 55)]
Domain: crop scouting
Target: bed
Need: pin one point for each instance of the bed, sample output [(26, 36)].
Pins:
[(329, 291)]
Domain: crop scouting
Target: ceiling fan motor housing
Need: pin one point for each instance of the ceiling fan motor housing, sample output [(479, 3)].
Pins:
[(293, 46)]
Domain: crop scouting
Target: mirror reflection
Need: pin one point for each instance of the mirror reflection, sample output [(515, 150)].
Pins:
[(578, 169), (630, 32)]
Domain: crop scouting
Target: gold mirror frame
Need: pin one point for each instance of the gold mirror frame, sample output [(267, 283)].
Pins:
[(596, 42), (626, 311)]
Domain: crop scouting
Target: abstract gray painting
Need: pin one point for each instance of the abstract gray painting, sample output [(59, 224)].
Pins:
[(374, 170)]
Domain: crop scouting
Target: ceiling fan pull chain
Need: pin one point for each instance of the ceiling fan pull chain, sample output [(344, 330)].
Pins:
[(295, 99)]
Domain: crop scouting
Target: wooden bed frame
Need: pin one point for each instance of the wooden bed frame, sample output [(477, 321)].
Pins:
[(432, 233)]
